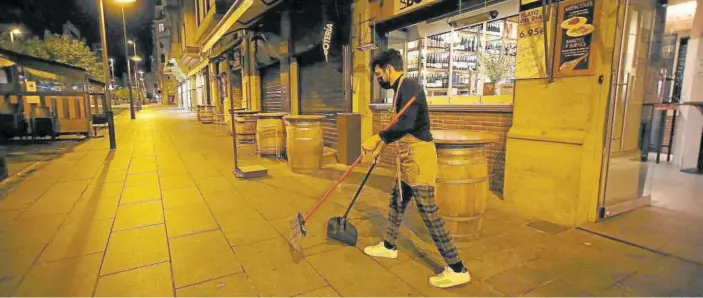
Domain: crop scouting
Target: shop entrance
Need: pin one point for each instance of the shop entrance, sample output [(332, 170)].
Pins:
[(626, 181)]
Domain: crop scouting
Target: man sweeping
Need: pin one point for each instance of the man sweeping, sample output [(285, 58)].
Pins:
[(416, 168)]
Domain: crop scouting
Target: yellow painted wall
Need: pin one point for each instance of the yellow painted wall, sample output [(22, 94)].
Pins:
[(554, 149), (251, 81), (361, 84), (294, 101)]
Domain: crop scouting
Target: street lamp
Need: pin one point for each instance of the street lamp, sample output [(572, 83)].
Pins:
[(112, 72), (136, 60), (13, 32), (107, 100), (126, 53)]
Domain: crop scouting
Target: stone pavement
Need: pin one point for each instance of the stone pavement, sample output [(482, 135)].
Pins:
[(163, 216)]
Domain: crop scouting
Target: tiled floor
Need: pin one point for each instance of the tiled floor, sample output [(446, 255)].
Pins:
[(163, 216), (672, 225)]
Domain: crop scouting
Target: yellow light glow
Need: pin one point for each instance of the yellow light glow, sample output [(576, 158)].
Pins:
[(684, 10), (130, 42), (16, 31), (136, 58), (125, 1)]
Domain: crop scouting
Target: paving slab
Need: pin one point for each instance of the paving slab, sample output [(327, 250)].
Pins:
[(150, 281), (138, 194), (29, 231), (175, 181), (16, 262), (202, 257), (77, 240), (63, 278), (352, 273), (190, 219), (277, 270), (135, 248), (182, 197), (235, 285), (138, 215)]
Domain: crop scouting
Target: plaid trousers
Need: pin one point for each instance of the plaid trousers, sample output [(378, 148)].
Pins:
[(425, 201)]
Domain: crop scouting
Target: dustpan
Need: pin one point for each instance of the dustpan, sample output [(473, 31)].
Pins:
[(339, 228)]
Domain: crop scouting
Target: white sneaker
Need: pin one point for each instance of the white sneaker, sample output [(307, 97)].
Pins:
[(448, 278), (380, 251)]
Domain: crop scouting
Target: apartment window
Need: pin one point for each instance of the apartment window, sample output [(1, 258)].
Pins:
[(163, 58), (198, 19), (162, 28)]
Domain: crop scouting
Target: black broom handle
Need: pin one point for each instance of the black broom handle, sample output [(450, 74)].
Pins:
[(358, 191)]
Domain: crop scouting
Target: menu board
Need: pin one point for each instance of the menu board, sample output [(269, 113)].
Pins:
[(576, 27), (530, 62)]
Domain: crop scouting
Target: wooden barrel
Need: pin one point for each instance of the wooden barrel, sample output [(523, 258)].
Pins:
[(304, 143), (462, 180), (198, 111), (271, 133), (246, 128)]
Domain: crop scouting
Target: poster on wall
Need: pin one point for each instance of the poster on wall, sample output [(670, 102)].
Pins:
[(32, 87), (574, 50), (530, 62)]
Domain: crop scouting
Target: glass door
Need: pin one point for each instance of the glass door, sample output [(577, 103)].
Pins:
[(627, 175)]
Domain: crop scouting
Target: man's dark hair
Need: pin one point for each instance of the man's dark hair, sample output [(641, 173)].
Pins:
[(388, 57)]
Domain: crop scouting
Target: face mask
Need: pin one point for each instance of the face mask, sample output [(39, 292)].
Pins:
[(384, 84)]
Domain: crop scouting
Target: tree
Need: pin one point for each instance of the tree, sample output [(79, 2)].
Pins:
[(59, 48), (123, 93)]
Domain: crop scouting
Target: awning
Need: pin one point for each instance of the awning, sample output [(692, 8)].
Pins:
[(241, 15), (198, 67), (41, 67)]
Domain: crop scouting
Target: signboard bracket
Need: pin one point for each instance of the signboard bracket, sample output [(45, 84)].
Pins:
[(361, 38)]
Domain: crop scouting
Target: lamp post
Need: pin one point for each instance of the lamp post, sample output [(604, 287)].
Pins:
[(136, 59), (126, 54), (107, 101), (13, 32)]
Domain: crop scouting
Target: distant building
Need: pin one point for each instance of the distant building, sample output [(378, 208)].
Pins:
[(162, 41), (71, 30), (96, 47)]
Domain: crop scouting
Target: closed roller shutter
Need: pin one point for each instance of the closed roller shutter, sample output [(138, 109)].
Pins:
[(322, 92), (272, 100), (236, 85)]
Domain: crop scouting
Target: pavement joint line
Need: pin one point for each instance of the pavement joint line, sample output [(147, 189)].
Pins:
[(134, 228), (211, 279), (630, 243), (127, 270), (67, 258)]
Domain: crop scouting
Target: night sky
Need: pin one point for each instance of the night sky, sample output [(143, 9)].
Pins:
[(52, 14)]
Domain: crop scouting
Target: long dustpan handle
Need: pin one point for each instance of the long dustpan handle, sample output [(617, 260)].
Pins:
[(361, 186), (351, 167)]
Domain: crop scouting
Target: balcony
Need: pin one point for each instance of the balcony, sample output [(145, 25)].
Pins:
[(212, 18)]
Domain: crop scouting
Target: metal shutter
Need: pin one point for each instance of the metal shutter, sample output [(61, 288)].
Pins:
[(236, 85), (271, 89), (322, 93)]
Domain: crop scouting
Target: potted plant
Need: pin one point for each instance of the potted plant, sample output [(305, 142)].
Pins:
[(495, 67)]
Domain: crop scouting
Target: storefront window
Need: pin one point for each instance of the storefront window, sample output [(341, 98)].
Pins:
[(469, 65)]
